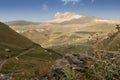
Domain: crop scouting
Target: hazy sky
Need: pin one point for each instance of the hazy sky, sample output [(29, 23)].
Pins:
[(41, 10)]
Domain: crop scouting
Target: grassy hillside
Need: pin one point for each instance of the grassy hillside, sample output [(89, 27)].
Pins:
[(111, 43), (46, 32), (9, 36), (35, 64), (21, 56), (9, 39), (74, 38), (55, 36), (21, 22)]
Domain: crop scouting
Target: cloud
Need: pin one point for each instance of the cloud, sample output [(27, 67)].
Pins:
[(45, 7), (70, 1)]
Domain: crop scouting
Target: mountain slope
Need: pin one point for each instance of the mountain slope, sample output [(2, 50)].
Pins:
[(112, 43), (82, 20), (72, 18), (21, 22), (22, 58), (11, 39), (61, 17)]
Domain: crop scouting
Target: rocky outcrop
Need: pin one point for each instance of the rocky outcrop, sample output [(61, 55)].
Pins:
[(80, 62), (76, 62), (9, 76)]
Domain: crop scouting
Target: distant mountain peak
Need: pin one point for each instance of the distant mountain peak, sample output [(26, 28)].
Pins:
[(73, 18), (59, 15), (66, 16)]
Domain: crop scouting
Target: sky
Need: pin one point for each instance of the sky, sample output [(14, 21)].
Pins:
[(42, 10)]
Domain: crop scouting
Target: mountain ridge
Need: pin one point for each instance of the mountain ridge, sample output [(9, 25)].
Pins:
[(69, 17), (21, 22)]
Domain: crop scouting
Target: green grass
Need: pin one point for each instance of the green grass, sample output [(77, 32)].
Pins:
[(9, 39), (71, 49), (35, 63), (64, 34)]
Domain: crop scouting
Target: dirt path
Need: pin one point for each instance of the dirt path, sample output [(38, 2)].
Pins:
[(2, 63), (25, 52), (16, 57)]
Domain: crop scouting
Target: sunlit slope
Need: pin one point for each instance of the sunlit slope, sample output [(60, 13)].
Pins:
[(111, 43), (20, 22)]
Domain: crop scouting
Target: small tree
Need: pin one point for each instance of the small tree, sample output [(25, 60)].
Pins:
[(118, 27)]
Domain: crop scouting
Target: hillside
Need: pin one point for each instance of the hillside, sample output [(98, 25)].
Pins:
[(68, 30), (61, 17), (12, 40), (20, 58), (71, 38), (82, 20), (21, 22), (55, 36), (112, 43)]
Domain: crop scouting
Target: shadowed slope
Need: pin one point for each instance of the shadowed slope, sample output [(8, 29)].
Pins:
[(11, 38)]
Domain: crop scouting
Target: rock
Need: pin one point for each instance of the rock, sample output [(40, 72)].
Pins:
[(6, 76), (7, 50), (77, 62), (16, 58)]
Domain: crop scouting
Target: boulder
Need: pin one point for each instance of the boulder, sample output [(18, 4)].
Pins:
[(7, 50)]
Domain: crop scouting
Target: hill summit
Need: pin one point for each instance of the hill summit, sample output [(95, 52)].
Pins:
[(73, 18), (61, 17)]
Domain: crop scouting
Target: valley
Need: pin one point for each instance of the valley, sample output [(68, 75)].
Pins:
[(56, 36), (59, 40), (44, 51)]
